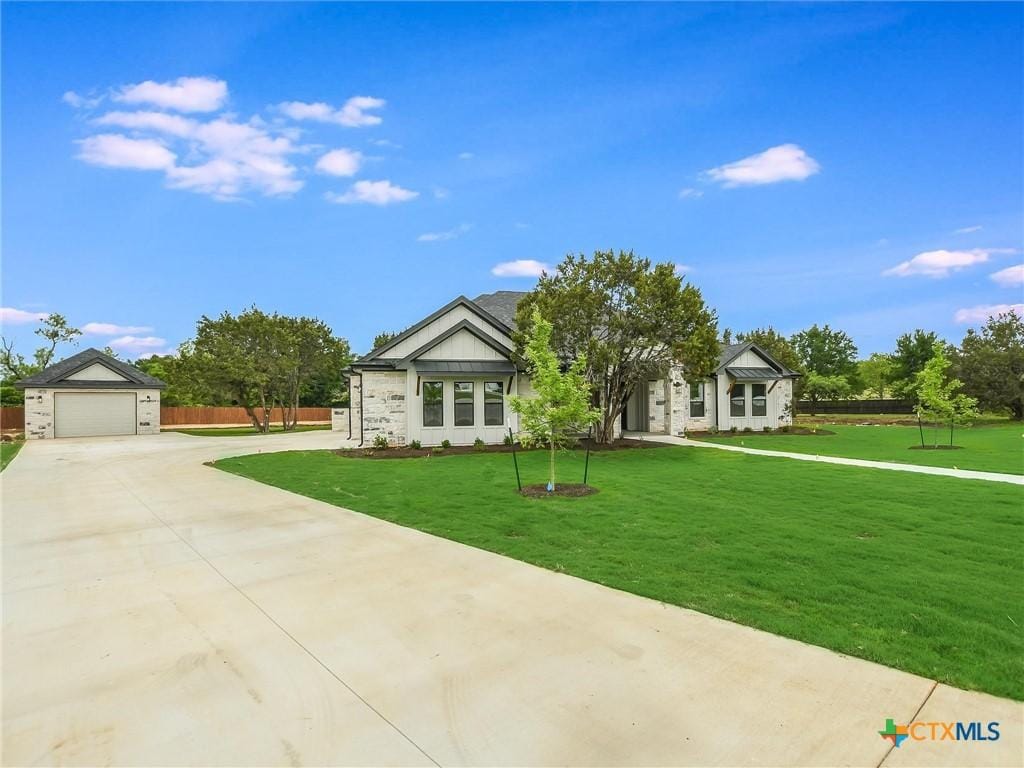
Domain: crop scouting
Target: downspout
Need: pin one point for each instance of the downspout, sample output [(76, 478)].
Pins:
[(360, 411)]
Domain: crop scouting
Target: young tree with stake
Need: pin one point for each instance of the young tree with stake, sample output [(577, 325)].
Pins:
[(561, 406)]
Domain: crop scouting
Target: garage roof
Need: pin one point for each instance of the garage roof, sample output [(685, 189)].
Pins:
[(56, 376)]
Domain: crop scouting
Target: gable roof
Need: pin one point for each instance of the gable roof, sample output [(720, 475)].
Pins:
[(56, 376), (462, 325), (731, 351), (501, 304), (473, 307)]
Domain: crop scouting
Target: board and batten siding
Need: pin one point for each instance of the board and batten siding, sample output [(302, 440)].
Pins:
[(462, 346), (96, 372), (440, 325)]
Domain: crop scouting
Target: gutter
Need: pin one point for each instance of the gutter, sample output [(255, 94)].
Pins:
[(360, 412)]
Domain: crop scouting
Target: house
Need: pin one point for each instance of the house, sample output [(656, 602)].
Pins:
[(91, 394), (449, 377)]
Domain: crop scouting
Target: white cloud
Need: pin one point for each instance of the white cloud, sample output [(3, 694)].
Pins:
[(466, 155), (786, 162), (186, 94), (160, 122), (352, 114), (440, 193), (983, 312), (80, 102), (451, 234), (116, 151), (967, 230), (1010, 276), (942, 263), (109, 329), (385, 143), (520, 268), (374, 193), (690, 193), (12, 316), (683, 269), (340, 162), (137, 344)]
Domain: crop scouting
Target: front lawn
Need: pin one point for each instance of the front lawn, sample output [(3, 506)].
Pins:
[(8, 451), (989, 449), (242, 431), (917, 572)]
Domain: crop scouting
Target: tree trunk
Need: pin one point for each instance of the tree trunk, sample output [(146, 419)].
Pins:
[(551, 469)]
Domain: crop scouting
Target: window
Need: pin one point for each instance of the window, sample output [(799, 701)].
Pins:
[(738, 400), (696, 399), (433, 404), (494, 404), (463, 403), (758, 400)]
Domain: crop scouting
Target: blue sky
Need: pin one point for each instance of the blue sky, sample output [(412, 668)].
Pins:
[(859, 165)]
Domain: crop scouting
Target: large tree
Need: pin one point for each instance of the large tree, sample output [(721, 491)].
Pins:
[(54, 330), (876, 373), (991, 364), (260, 361), (630, 319), (826, 352), (913, 351)]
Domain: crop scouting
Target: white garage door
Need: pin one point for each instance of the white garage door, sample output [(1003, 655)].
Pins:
[(86, 414)]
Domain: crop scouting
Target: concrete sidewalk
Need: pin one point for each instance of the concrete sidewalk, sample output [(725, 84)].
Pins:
[(969, 474), (158, 611)]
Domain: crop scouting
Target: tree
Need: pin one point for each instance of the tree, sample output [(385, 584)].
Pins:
[(991, 364), (913, 350), (775, 344), (817, 387), (876, 373), (826, 352), (628, 319), (382, 338), (938, 397), (561, 406), (55, 330), (261, 361)]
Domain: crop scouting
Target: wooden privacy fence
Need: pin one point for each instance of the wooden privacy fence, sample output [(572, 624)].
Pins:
[(12, 418), (855, 406), (171, 416)]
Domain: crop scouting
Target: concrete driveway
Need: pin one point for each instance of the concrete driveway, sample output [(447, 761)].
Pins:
[(161, 612)]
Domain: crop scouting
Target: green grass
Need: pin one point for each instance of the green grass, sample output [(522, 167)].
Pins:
[(8, 451), (916, 572), (989, 449), (241, 431)]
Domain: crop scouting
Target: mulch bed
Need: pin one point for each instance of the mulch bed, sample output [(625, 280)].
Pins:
[(936, 447), (775, 433), (404, 452), (570, 490)]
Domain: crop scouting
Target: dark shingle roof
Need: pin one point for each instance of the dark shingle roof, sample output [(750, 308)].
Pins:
[(56, 374), (501, 304), (731, 351)]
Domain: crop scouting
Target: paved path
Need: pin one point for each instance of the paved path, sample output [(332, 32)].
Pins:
[(158, 611), (970, 474)]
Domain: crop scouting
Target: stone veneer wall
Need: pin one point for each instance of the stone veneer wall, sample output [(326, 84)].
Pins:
[(384, 407), (677, 397), (39, 412), (786, 398), (657, 406), (339, 420)]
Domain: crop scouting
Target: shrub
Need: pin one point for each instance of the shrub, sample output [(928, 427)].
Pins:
[(713, 429), (748, 429), (766, 428), (415, 445), (380, 441), (479, 445), (438, 448), (784, 428), (507, 440), (446, 443), (732, 429)]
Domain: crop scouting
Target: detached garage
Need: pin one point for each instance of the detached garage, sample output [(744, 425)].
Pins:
[(91, 394)]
